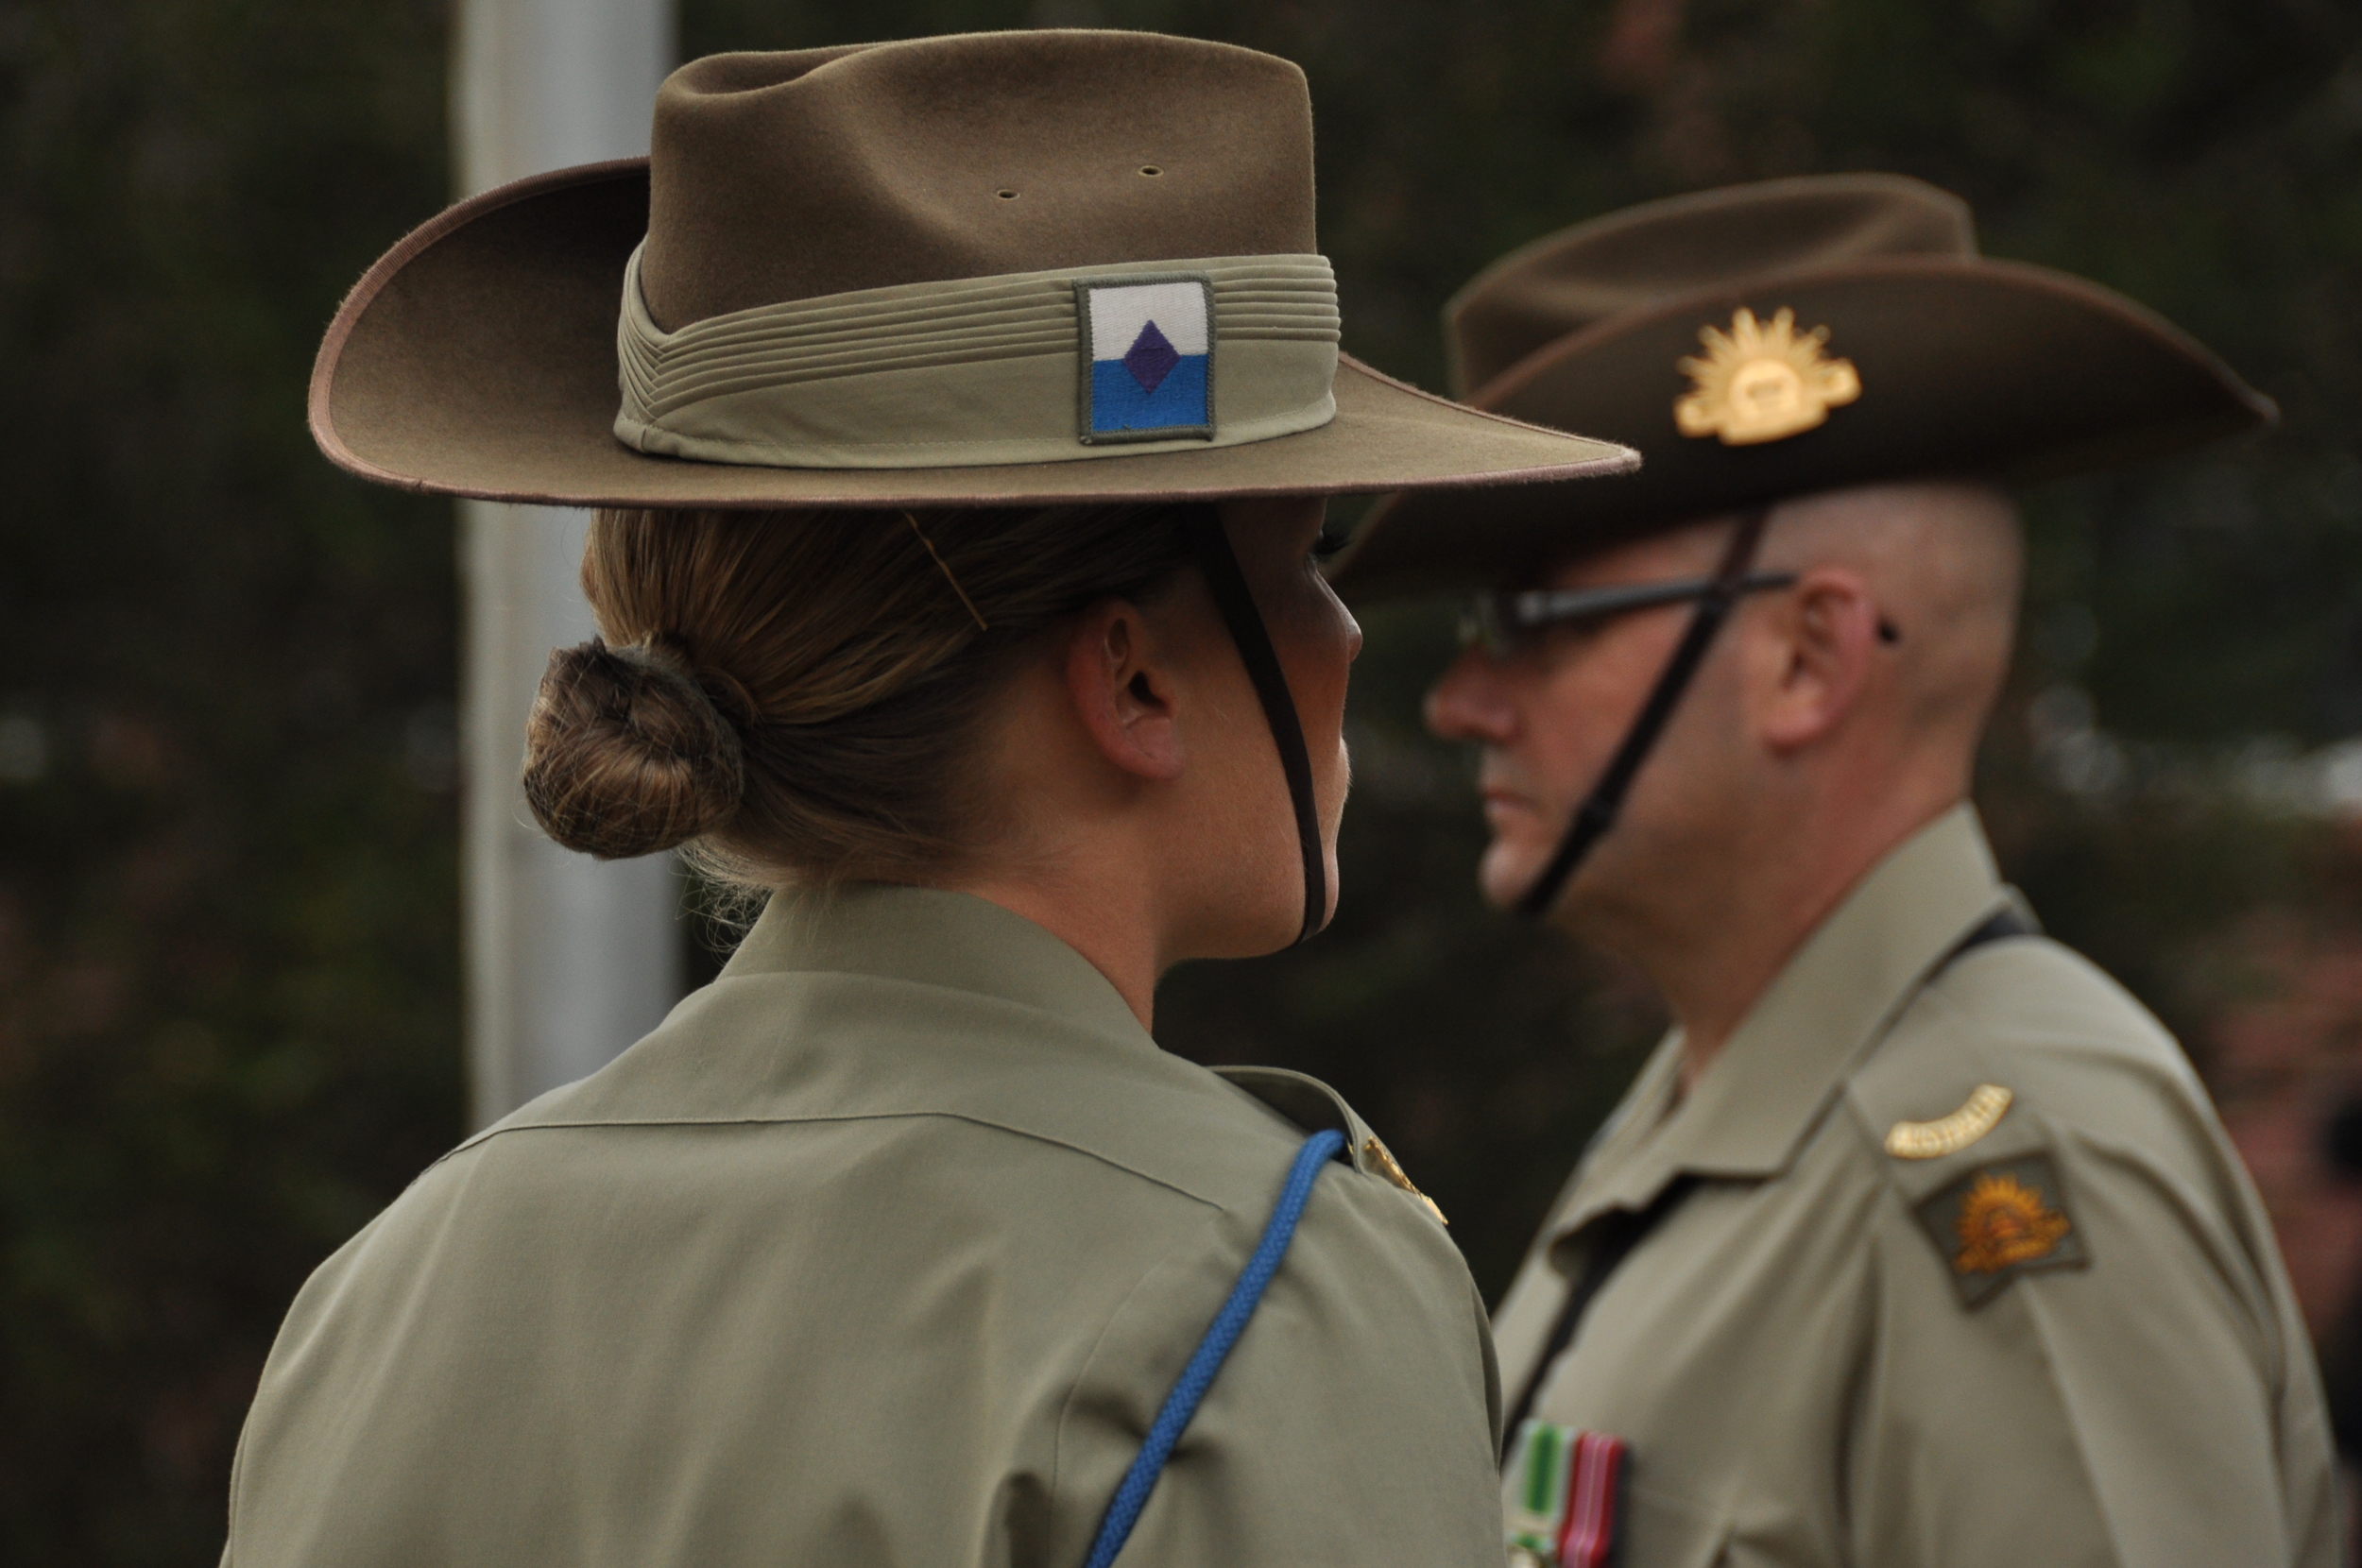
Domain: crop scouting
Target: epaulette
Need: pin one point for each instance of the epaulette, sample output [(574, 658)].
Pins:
[(1314, 1107), (1977, 1164)]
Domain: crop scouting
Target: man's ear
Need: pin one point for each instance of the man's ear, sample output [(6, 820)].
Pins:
[(1825, 639), (1121, 694)]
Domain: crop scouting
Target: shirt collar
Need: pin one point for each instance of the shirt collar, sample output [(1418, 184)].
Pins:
[(1767, 1088), (929, 937), (869, 1002)]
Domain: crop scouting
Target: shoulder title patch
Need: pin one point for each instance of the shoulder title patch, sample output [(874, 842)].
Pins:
[(1927, 1140), (2002, 1221), (1762, 381), (1382, 1157)]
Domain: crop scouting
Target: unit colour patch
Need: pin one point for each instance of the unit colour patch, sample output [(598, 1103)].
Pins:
[(1148, 357)]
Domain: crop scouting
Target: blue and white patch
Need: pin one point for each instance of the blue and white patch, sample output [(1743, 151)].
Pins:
[(1148, 357)]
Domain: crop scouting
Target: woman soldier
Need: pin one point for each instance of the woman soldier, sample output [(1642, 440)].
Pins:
[(953, 570)]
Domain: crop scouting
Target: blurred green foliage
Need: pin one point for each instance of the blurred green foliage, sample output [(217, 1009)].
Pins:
[(228, 928), (228, 967)]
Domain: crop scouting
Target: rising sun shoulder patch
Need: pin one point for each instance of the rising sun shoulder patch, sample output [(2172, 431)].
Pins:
[(2001, 1221)]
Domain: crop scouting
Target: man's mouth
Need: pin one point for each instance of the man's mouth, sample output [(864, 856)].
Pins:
[(1500, 803)]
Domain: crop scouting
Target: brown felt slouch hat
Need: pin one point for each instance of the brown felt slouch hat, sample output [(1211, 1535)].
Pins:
[(1007, 269), (1776, 339)]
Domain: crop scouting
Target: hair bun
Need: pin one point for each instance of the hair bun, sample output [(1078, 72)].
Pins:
[(626, 754)]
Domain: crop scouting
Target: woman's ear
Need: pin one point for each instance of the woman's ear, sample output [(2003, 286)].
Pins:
[(1121, 693), (1826, 636)]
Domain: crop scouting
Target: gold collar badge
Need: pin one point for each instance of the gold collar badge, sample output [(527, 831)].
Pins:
[(1760, 383), (1383, 1158)]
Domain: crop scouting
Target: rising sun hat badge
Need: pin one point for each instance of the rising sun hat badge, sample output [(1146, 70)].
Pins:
[(1762, 382)]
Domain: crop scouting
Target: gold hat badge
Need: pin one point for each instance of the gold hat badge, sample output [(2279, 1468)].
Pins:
[(1760, 383)]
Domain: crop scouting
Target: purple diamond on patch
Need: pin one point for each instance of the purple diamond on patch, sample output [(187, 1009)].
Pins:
[(1151, 358)]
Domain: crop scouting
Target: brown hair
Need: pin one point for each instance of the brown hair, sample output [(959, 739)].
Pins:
[(802, 695)]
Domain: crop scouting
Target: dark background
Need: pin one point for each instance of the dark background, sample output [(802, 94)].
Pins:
[(228, 1007)]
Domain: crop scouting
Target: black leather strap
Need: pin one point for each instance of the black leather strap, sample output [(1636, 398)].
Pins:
[(1598, 812), (1614, 1236), (1615, 1233), (2004, 922), (1211, 545)]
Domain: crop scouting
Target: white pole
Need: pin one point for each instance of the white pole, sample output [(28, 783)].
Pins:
[(568, 960)]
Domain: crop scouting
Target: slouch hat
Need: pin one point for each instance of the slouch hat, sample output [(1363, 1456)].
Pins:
[(1007, 268)]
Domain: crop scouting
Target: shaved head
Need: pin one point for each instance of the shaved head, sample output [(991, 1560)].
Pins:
[(1944, 561)]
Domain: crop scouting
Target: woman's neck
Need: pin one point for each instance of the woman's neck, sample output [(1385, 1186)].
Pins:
[(1112, 927)]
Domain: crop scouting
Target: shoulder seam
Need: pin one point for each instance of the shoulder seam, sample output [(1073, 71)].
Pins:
[(488, 1133)]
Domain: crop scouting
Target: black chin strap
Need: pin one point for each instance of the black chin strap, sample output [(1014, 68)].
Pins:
[(1598, 812), (1211, 544)]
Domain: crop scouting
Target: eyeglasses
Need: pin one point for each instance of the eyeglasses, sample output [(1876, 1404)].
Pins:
[(1505, 624)]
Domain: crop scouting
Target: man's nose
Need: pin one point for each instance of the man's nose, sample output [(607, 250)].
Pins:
[(1470, 702)]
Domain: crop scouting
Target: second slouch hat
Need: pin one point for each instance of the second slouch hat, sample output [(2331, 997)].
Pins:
[(1776, 339)]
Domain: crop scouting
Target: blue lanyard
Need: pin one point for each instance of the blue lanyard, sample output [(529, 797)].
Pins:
[(1173, 1418)]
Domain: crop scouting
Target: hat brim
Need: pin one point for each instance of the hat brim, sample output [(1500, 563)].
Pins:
[(477, 358), (1968, 366)]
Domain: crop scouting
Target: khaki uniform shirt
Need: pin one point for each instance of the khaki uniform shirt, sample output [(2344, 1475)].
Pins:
[(882, 1250), (2059, 1339)]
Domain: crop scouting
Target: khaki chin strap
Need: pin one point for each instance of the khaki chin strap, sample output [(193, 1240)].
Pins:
[(1599, 810), (1210, 543)]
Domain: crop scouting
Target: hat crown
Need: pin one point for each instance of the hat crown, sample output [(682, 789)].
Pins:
[(785, 176), (1567, 282)]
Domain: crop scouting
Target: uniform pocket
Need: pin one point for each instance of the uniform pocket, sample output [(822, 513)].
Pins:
[(1665, 1531)]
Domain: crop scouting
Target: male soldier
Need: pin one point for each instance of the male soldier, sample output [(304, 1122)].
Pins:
[(1917, 1241)]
